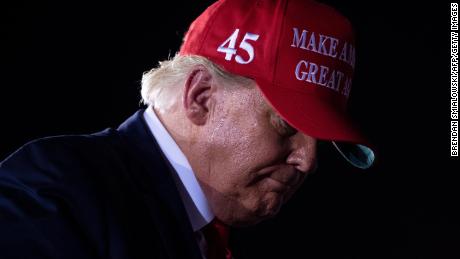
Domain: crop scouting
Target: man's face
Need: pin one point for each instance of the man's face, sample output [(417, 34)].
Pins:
[(254, 160)]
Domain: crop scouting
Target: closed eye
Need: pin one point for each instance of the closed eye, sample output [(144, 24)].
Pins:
[(283, 128), (288, 128)]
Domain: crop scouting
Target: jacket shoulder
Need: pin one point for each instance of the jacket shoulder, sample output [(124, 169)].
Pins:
[(65, 149), (74, 166), (54, 186)]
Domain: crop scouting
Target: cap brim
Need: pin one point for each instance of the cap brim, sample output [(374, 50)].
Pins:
[(319, 119), (358, 155)]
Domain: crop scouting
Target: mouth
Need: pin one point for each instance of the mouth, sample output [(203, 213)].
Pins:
[(269, 183), (274, 185), (282, 177)]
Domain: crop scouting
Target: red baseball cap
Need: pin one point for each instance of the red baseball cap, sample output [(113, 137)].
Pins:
[(301, 54)]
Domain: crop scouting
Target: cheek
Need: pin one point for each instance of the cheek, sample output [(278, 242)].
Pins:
[(244, 144), (233, 167), (251, 150), (230, 155), (265, 149), (235, 141)]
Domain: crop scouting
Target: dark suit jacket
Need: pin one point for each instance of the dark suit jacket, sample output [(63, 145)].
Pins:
[(104, 195)]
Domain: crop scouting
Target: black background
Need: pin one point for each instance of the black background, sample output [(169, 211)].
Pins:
[(69, 67)]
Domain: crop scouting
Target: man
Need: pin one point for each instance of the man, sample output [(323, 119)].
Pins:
[(230, 133)]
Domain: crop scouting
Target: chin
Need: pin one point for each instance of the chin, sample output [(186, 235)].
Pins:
[(267, 208), (250, 218), (271, 205), (242, 213)]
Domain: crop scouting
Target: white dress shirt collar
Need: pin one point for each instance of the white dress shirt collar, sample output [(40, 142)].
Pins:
[(196, 204)]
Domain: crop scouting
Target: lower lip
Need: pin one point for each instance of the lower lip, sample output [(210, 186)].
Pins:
[(277, 186)]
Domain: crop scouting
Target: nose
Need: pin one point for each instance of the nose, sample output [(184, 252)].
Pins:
[(303, 153)]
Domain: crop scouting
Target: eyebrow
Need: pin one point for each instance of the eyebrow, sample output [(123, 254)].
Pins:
[(287, 128)]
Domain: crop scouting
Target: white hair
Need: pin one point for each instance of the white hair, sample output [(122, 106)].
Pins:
[(161, 86)]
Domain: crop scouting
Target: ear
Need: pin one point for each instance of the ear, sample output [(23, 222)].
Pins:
[(197, 95)]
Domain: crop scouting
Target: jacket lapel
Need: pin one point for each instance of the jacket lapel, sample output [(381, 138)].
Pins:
[(152, 175)]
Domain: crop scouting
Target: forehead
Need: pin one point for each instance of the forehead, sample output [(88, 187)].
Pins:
[(265, 106)]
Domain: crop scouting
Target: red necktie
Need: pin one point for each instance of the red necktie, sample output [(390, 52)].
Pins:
[(216, 234)]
